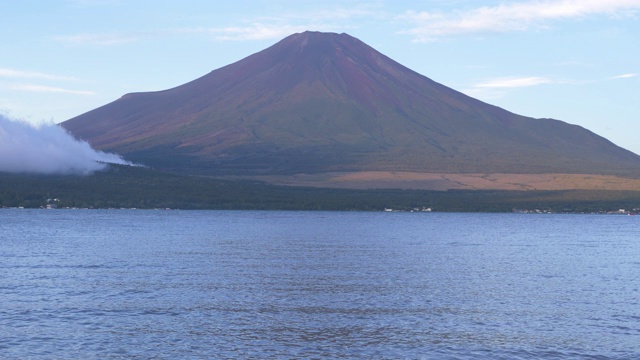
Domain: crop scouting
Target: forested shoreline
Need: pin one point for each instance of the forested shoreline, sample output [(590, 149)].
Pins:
[(141, 188)]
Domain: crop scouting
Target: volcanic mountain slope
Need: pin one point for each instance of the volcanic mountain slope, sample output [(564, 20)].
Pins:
[(323, 102)]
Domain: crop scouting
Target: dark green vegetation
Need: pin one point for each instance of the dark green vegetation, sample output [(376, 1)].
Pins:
[(126, 187), (321, 102)]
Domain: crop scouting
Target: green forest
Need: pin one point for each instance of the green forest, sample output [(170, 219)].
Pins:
[(143, 188)]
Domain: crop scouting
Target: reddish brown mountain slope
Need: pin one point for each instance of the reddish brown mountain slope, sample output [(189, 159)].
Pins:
[(319, 102)]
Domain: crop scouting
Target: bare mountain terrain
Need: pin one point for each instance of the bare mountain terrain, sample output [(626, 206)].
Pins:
[(317, 103)]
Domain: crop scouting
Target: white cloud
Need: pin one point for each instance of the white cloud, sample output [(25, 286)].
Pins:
[(256, 31), (507, 17), (48, 149), (253, 31), (498, 88), (50, 89), (513, 82), (12, 73), (264, 27), (91, 3), (286, 23), (97, 39), (623, 76)]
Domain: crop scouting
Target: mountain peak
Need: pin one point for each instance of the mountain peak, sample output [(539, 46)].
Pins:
[(317, 36), (314, 47), (320, 102)]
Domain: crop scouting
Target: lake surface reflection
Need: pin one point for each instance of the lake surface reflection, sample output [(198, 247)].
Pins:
[(241, 284)]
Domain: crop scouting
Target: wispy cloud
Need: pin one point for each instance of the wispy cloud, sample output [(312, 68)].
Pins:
[(507, 17), (12, 73), (262, 27), (492, 89), (499, 87), (514, 82), (255, 31), (49, 89), (98, 39), (91, 3), (324, 14), (623, 76), (284, 24), (274, 27)]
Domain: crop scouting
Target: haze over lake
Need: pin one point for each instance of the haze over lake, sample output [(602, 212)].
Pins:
[(243, 284)]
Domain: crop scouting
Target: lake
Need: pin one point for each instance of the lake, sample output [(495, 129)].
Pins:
[(138, 284)]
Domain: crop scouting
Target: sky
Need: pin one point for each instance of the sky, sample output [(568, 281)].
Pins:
[(573, 60)]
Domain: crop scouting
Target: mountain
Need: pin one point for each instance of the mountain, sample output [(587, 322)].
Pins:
[(324, 102)]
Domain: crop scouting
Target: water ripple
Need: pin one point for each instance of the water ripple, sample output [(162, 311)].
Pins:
[(139, 285)]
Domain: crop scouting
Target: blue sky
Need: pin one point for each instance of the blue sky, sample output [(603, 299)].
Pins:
[(576, 61)]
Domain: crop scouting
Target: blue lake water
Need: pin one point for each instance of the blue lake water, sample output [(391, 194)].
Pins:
[(115, 284)]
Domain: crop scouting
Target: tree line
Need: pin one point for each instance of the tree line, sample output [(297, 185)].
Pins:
[(127, 187)]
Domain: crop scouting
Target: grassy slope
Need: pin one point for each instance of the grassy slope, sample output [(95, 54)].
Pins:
[(448, 181)]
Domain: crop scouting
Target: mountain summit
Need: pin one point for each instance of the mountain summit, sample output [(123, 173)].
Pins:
[(324, 102)]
